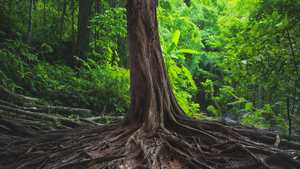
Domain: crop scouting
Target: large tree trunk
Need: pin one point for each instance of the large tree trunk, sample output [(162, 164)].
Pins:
[(151, 93), (155, 133), (153, 105)]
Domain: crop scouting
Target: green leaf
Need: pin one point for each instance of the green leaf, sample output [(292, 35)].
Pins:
[(266, 111), (236, 102), (188, 74), (248, 105), (181, 57), (171, 48), (176, 37), (241, 110), (228, 79), (187, 51), (285, 21), (233, 103)]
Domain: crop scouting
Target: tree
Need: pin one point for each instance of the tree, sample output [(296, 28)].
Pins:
[(155, 133), (61, 29), (30, 22), (83, 37)]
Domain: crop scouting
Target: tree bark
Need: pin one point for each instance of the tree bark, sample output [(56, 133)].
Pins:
[(73, 22), (61, 29), (83, 37), (30, 22), (152, 100)]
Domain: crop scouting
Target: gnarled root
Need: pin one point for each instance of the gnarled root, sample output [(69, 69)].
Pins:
[(113, 147)]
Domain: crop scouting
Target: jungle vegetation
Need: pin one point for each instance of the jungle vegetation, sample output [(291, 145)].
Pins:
[(221, 56), (222, 62)]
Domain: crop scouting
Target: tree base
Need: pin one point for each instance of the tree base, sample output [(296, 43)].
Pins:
[(110, 146)]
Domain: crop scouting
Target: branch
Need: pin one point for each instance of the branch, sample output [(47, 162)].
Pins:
[(295, 63)]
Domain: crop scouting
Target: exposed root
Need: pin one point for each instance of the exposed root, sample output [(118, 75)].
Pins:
[(134, 137), (100, 147)]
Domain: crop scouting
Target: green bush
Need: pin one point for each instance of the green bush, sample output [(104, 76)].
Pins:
[(91, 86)]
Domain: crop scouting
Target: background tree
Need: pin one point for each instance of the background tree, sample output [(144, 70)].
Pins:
[(30, 22), (83, 37), (61, 28)]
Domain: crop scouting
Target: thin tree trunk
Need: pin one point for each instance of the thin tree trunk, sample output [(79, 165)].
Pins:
[(73, 22), (293, 54), (61, 29), (85, 11), (294, 98), (259, 95), (30, 22), (45, 30), (3, 5), (97, 4), (288, 114), (254, 94)]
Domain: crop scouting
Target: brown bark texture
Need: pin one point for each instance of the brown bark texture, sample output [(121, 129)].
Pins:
[(155, 132), (83, 37), (29, 22), (61, 30)]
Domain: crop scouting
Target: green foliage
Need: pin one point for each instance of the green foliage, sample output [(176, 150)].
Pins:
[(225, 95), (71, 116), (180, 77), (58, 115), (209, 90), (15, 54), (256, 46), (58, 124), (260, 118), (110, 27), (213, 110), (92, 85)]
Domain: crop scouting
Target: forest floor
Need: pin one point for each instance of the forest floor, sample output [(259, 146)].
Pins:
[(30, 138)]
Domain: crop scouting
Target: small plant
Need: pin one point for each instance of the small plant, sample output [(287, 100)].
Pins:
[(58, 124), (71, 116), (59, 115), (226, 93), (107, 121), (213, 110), (119, 108), (199, 116), (258, 117)]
